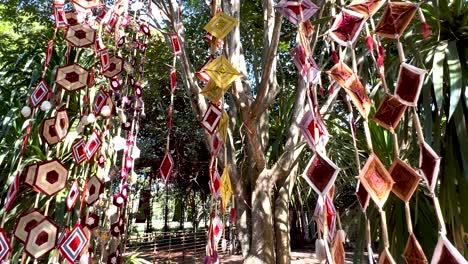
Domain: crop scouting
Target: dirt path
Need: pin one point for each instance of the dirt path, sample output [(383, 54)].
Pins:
[(297, 257)]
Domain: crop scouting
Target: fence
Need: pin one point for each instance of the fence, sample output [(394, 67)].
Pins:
[(175, 246)]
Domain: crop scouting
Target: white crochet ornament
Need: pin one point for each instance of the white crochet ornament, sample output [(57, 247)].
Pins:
[(26, 111)]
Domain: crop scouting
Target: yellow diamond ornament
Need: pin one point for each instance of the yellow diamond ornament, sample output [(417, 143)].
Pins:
[(223, 126), (222, 72), (226, 189), (213, 92), (220, 25)]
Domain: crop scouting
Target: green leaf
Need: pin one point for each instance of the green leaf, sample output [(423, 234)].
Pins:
[(455, 76), (438, 73)]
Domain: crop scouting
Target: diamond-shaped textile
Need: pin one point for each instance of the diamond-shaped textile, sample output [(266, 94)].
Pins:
[(296, 11), (39, 94), (222, 72), (220, 25), (347, 26), (5, 246), (211, 118), (376, 179), (217, 229), (73, 195), (362, 196), (409, 84), (366, 7), (446, 253), (320, 173), (74, 243), (314, 130), (389, 113), (405, 178), (395, 19), (226, 188), (166, 167), (413, 251), (429, 163), (213, 92), (215, 184)]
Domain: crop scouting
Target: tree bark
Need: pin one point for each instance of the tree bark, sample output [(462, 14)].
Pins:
[(262, 248)]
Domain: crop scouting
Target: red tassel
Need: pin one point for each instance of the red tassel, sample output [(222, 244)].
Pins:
[(232, 214), (322, 91), (381, 51), (380, 61), (335, 57), (370, 43), (426, 30)]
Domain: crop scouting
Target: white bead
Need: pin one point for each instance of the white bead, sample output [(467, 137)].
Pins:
[(91, 118), (119, 143), (26, 111), (106, 111), (46, 106)]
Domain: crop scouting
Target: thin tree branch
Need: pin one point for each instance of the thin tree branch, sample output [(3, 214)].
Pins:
[(261, 103)]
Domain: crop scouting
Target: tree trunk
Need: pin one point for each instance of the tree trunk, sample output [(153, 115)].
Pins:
[(282, 230), (282, 225), (262, 248)]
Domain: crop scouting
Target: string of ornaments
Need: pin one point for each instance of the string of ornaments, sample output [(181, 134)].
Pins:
[(374, 180), (217, 75), (103, 97)]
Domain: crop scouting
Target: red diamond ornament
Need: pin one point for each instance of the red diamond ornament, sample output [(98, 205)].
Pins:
[(314, 130), (217, 229), (347, 26), (389, 113), (296, 11), (74, 244), (93, 144), (413, 251), (176, 48), (73, 195), (405, 178), (446, 253), (12, 192), (166, 167), (60, 16), (215, 144), (331, 216), (429, 163), (409, 84), (362, 196), (320, 173), (211, 118), (99, 101), (105, 59), (78, 151), (5, 246), (39, 94), (376, 179), (305, 65), (215, 184)]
